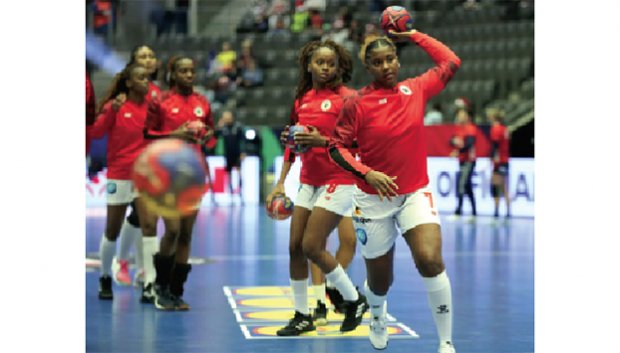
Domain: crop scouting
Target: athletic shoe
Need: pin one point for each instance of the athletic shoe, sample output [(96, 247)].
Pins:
[(354, 310), (105, 288), (299, 324), (336, 298), (446, 347), (120, 272), (320, 314), (148, 294), (138, 278), (164, 300), (378, 333), (180, 304)]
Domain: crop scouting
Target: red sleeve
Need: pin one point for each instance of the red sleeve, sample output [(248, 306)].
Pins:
[(288, 154), (153, 123), (104, 122), (435, 79), (344, 135)]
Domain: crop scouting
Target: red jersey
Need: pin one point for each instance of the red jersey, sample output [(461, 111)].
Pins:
[(320, 108), (388, 123), (501, 143), (173, 109), (464, 132), (125, 136)]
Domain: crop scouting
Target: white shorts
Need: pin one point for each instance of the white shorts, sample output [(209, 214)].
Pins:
[(120, 192), (333, 197), (378, 223)]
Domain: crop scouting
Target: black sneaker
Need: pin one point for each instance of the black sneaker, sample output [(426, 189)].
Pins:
[(353, 313), (320, 314), (299, 324), (105, 288), (164, 300), (180, 304), (148, 294), (336, 298)]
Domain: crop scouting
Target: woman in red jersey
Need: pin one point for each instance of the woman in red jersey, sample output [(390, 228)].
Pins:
[(500, 154), (464, 144), (169, 116), (325, 189), (124, 122), (144, 56), (392, 195)]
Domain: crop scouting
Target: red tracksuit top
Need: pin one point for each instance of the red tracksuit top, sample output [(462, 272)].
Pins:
[(154, 92), (125, 136), (500, 136), (388, 123), (464, 131), (172, 109), (320, 108)]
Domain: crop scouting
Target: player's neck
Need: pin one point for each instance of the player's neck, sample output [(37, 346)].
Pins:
[(184, 91), (135, 97)]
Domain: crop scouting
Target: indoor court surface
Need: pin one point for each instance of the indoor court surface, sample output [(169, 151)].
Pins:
[(239, 295)]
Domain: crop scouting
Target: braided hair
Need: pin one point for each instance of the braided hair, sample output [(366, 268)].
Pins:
[(343, 74), (371, 42)]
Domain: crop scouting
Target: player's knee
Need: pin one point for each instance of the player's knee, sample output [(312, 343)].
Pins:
[(348, 243), (184, 239), (429, 264), (295, 249), (311, 249)]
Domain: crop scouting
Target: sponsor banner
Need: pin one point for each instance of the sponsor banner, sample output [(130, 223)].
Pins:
[(443, 176), (250, 173)]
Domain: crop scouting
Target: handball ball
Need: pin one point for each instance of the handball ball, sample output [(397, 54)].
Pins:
[(397, 19), (170, 177), (281, 207), (290, 143)]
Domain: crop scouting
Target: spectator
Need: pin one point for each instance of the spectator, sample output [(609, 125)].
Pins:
[(246, 55), (278, 14), (227, 59), (224, 88), (259, 14), (103, 16), (233, 136), (434, 116), (300, 19), (251, 76)]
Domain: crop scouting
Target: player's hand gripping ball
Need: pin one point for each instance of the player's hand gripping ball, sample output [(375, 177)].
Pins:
[(396, 18), (281, 207), (170, 177), (198, 128), (290, 143)]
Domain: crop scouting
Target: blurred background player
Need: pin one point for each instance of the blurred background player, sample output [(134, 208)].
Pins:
[(326, 191), (91, 107), (122, 115), (500, 153), (386, 118), (169, 117), (233, 135), (130, 233), (464, 143)]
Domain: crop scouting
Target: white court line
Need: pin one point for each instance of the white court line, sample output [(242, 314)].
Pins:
[(407, 329), (227, 291), (238, 315), (245, 331), (231, 300)]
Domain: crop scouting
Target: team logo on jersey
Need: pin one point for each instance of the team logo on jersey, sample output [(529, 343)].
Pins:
[(175, 110), (303, 105), (383, 101), (326, 105), (406, 91), (111, 188), (199, 112), (127, 115), (361, 235)]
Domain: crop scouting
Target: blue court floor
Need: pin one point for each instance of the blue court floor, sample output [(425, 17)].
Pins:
[(238, 292)]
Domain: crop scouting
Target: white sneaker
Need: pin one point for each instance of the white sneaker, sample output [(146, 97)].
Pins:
[(138, 278), (378, 333), (446, 347)]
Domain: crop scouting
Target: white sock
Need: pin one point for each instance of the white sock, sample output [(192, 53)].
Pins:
[(378, 303), (319, 292), (106, 254), (150, 247), (139, 252), (300, 295), (439, 294), (343, 283), (328, 283), (127, 238)]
